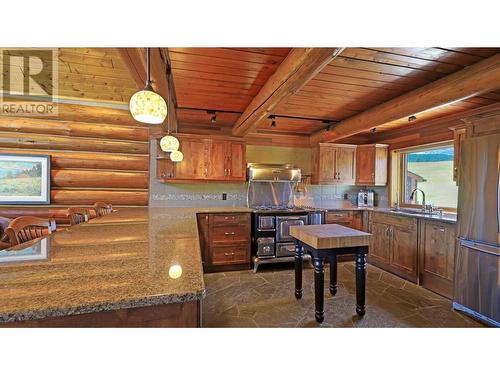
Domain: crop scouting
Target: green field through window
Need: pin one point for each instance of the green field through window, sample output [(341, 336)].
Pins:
[(432, 171)]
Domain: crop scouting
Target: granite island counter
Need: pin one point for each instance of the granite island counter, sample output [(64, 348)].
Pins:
[(134, 267)]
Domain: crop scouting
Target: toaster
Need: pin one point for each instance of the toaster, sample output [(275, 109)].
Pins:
[(365, 198)]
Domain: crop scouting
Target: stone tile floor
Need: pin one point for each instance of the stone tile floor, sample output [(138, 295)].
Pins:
[(266, 299)]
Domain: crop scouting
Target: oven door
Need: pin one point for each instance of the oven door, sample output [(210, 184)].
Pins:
[(286, 249), (283, 224)]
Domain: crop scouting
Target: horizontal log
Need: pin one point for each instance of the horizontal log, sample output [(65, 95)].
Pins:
[(74, 129), (99, 179), (88, 160), (89, 197), (57, 142)]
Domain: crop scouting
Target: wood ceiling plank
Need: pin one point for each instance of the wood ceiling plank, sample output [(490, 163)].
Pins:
[(181, 74), (221, 62), (224, 70), (300, 66), (435, 54), (232, 54), (399, 60), (274, 51), (471, 81)]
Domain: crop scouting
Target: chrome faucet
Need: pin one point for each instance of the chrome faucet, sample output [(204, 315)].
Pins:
[(423, 197)]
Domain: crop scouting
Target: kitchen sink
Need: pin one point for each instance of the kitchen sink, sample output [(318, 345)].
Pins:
[(414, 211)]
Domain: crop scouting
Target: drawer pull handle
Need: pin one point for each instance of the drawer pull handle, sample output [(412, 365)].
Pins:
[(229, 233), (229, 254)]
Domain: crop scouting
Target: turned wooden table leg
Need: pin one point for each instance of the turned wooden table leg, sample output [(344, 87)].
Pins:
[(299, 254), (333, 274), (319, 285), (360, 281)]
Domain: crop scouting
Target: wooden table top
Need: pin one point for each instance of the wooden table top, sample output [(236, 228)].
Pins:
[(330, 236)]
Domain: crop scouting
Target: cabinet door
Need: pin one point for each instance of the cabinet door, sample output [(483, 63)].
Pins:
[(236, 161), (437, 256), (217, 160), (381, 245), (345, 164), (203, 234), (365, 166), (326, 165), (404, 251), (194, 165)]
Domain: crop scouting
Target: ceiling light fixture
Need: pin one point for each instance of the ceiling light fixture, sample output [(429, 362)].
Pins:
[(273, 121), (213, 119), (147, 106), (169, 143)]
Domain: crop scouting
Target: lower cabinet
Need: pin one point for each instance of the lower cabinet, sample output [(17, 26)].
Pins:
[(395, 245), (351, 219), (224, 241), (437, 256)]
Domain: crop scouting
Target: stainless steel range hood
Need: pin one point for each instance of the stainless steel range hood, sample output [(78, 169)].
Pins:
[(273, 172)]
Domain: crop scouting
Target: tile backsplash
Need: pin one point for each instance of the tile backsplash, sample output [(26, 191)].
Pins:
[(212, 194)]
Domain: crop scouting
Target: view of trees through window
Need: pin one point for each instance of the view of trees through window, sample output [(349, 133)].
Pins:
[(431, 170)]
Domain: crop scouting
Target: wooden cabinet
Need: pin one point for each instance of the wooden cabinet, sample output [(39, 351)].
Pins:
[(224, 241), (351, 219), (437, 242), (395, 244), (216, 159), (334, 164), (458, 137), (371, 165)]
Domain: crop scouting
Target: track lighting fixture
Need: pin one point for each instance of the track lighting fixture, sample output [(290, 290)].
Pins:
[(213, 118), (273, 121), (412, 118)]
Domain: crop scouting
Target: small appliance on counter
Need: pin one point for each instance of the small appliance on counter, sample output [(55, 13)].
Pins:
[(365, 198)]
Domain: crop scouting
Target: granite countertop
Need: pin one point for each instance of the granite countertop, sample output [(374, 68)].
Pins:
[(131, 258), (347, 206)]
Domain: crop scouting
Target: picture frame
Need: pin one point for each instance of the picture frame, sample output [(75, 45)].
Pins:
[(24, 179)]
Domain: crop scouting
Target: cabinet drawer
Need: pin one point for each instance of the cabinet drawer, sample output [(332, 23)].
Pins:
[(230, 254), (390, 219), (230, 234), (332, 217), (229, 219)]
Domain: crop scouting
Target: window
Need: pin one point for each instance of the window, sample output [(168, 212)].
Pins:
[(429, 168)]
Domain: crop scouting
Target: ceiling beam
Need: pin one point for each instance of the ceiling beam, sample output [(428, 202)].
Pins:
[(300, 66), (473, 80)]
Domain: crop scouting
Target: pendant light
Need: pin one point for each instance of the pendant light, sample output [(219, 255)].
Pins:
[(147, 106), (169, 143)]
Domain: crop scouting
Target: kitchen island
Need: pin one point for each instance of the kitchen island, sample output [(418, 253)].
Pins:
[(136, 267)]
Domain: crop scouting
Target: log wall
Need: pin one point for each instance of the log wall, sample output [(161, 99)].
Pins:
[(90, 162)]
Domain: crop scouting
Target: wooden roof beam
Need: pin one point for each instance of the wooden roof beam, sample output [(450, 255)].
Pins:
[(473, 80), (300, 66)]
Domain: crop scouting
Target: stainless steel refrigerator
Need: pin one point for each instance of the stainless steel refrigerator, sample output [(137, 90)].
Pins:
[(477, 260)]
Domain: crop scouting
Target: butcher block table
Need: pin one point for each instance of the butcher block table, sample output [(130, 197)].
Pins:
[(328, 241)]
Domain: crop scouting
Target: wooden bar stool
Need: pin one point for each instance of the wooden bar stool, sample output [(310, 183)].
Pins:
[(77, 215), (103, 208), (27, 228)]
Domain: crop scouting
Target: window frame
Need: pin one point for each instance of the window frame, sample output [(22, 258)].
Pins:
[(401, 165)]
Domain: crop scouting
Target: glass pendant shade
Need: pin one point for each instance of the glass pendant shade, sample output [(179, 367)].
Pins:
[(148, 107), (169, 143), (177, 156)]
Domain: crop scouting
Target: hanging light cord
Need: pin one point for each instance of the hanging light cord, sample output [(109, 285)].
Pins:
[(148, 67)]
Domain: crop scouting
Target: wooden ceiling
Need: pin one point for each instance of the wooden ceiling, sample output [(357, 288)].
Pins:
[(225, 80), (360, 78), (94, 74)]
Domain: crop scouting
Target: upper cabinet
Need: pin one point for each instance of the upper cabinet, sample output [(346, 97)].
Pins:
[(217, 159), (334, 164), (371, 165)]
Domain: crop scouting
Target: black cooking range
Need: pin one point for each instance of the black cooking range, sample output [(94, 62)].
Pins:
[(271, 240)]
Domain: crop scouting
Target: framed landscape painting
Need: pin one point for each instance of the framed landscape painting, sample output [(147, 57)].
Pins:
[(24, 179)]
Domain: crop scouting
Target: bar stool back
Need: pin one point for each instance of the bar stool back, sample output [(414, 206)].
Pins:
[(27, 228)]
